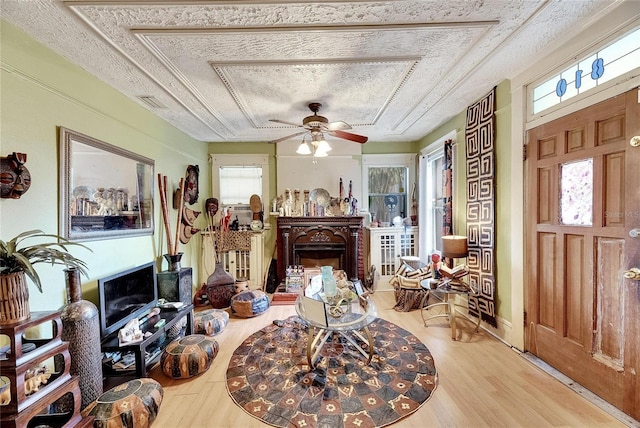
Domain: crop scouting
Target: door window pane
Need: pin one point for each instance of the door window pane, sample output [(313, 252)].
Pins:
[(576, 187)]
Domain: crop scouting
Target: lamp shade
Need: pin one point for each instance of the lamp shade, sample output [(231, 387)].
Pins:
[(304, 149), (323, 146), (320, 154), (454, 246)]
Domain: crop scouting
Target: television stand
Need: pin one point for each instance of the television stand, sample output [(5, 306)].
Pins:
[(156, 343)]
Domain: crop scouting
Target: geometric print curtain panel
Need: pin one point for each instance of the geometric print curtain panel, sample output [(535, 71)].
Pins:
[(447, 176), (479, 142)]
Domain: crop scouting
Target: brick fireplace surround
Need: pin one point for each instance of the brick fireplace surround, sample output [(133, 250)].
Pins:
[(338, 240)]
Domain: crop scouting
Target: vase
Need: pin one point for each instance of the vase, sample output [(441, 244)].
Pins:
[(220, 288), (328, 281), (81, 328), (14, 298), (174, 261)]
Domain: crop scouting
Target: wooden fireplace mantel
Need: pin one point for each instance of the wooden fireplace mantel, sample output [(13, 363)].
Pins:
[(307, 232)]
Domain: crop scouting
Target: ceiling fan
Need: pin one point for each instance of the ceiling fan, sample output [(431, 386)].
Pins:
[(316, 125)]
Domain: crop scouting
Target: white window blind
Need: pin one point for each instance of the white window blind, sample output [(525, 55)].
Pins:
[(238, 183)]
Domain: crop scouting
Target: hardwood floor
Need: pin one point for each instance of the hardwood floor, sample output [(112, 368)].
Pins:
[(482, 382)]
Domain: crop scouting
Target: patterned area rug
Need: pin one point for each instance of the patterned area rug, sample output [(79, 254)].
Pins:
[(269, 378)]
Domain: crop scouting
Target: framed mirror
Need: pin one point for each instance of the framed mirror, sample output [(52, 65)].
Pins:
[(105, 191)]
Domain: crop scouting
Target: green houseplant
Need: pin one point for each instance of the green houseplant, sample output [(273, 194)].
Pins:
[(17, 260)]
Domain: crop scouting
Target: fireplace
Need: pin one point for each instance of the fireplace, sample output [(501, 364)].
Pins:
[(316, 255), (320, 241)]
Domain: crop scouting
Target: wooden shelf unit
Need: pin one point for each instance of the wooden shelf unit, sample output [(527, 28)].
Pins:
[(33, 409)]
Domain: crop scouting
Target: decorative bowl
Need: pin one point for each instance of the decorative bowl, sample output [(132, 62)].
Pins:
[(320, 196)]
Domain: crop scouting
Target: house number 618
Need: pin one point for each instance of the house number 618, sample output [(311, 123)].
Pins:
[(597, 70)]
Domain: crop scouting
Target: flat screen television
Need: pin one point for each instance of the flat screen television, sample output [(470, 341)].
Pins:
[(126, 295)]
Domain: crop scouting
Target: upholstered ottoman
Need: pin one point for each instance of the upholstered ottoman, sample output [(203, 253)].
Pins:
[(210, 321), (133, 404), (188, 356), (249, 303)]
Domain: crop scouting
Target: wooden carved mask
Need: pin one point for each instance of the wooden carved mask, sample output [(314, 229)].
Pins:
[(15, 178), (191, 184)]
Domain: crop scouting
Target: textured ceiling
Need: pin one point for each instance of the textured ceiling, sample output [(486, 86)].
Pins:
[(393, 70)]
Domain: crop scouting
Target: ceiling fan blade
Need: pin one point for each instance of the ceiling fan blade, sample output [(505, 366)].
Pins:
[(336, 126), (287, 137), (284, 122), (349, 136)]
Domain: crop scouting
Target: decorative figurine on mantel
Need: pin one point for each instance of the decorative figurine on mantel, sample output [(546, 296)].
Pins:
[(297, 204), (288, 203)]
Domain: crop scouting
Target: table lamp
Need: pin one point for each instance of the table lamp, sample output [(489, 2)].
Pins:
[(454, 247)]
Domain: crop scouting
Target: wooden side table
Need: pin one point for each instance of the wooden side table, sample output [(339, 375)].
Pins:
[(450, 289)]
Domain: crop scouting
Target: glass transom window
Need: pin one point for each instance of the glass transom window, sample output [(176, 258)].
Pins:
[(608, 63)]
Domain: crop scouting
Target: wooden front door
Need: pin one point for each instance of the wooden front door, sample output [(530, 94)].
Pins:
[(583, 207)]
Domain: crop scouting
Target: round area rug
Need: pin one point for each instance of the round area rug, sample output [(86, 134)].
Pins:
[(268, 376)]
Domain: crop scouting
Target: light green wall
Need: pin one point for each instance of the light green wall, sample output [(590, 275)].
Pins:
[(503, 149), (377, 148), (40, 91)]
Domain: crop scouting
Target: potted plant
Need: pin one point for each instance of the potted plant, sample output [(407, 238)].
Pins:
[(17, 261)]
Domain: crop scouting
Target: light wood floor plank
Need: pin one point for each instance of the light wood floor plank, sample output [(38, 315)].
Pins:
[(482, 382)]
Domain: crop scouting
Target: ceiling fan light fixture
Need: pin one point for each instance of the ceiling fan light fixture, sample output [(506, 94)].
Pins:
[(323, 146), (320, 154), (303, 148)]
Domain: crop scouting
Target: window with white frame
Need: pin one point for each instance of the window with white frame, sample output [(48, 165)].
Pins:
[(431, 197), (386, 181), (236, 177)]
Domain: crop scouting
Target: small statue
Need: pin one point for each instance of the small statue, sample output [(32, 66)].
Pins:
[(105, 200), (131, 332), (435, 265), (35, 377), (297, 204), (288, 203), (226, 220), (345, 206), (5, 397), (122, 200)]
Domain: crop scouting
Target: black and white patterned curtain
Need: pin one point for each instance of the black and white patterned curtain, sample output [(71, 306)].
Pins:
[(481, 200), (447, 184)]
